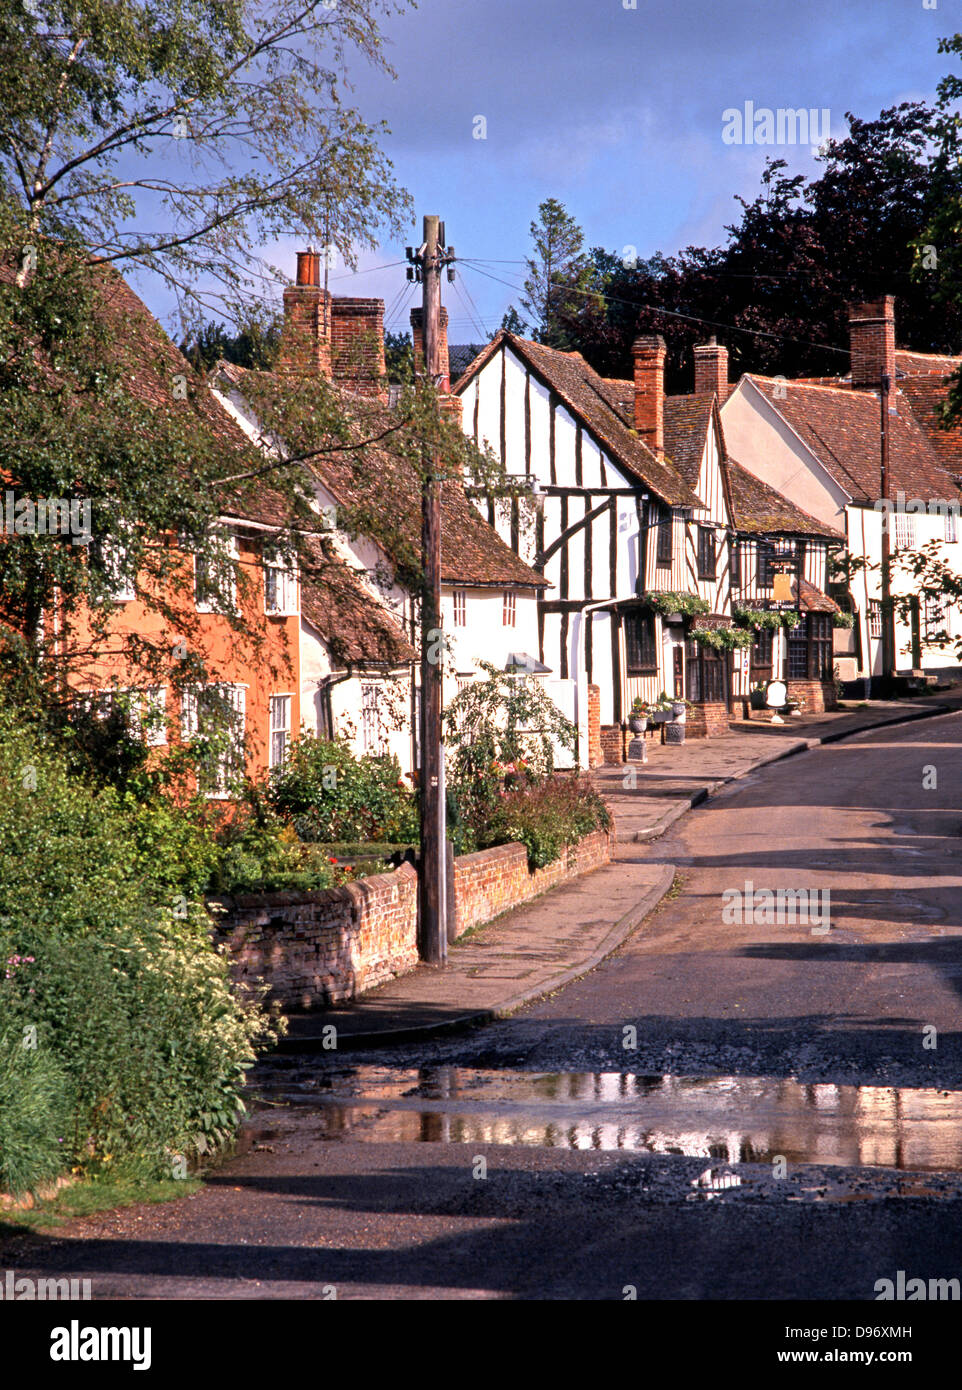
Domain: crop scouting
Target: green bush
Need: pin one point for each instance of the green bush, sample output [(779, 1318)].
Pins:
[(546, 817), (327, 794), (35, 1111), (126, 991)]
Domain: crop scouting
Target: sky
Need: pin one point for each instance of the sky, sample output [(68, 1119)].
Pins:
[(615, 108)]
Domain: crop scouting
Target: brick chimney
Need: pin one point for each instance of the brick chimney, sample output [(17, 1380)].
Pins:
[(357, 344), (649, 357), (418, 336), (306, 339), (711, 369), (871, 330)]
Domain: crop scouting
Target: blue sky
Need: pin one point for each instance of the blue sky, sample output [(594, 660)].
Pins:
[(617, 112)]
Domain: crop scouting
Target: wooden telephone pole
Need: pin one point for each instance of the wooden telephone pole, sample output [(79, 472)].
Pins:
[(432, 928), (888, 616)]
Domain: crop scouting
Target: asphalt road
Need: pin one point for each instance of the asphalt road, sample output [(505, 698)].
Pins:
[(315, 1207)]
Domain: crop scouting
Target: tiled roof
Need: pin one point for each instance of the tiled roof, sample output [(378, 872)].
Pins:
[(922, 377), (472, 552), (926, 363), (841, 428), (357, 629), (758, 508), (687, 422), (812, 600), (598, 404)]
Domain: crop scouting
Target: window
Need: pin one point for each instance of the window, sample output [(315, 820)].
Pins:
[(112, 558), (736, 564), (874, 618), (460, 608), (707, 563), (218, 713), (280, 706), (761, 654), (810, 649), (508, 609), (280, 590), (215, 587), (706, 674), (370, 725), (904, 531), (766, 565), (154, 718), (934, 617), (640, 642), (665, 529), (951, 526)]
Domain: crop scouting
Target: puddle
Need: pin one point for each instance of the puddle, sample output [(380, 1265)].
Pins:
[(727, 1119)]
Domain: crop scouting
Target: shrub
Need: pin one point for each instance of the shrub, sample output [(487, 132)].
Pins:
[(126, 991), (328, 794), (34, 1115), (546, 817)]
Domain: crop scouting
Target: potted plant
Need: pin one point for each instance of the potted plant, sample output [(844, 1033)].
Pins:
[(638, 719), (756, 696), (679, 707), (661, 709)]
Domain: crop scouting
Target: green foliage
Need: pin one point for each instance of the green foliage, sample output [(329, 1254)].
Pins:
[(255, 345), (546, 817), (769, 619), (326, 794), (723, 639), (673, 601), (843, 619), (399, 357), (559, 273), (126, 992), (34, 1111)]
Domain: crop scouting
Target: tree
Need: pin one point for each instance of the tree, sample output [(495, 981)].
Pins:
[(512, 322), (180, 136), (399, 357), (255, 345), (558, 272)]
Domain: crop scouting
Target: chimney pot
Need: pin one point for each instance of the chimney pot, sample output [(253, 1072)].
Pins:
[(309, 268)]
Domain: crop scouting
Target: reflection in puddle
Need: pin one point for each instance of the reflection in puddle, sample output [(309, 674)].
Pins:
[(727, 1119)]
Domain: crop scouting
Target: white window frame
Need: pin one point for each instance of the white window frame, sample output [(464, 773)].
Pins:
[(509, 609), (155, 703), (287, 605), (951, 523), (203, 606), (371, 738), (113, 552), (190, 725), (934, 619), (460, 608), (904, 530), (283, 703)]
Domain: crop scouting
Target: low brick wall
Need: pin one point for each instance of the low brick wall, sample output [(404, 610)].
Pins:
[(815, 697), (322, 947), (317, 948), (595, 756), (706, 721), (612, 743), (494, 880)]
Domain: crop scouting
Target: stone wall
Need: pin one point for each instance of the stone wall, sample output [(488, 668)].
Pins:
[(320, 948)]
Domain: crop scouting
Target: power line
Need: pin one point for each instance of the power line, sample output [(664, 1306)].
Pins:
[(672, 313), (477, 323)]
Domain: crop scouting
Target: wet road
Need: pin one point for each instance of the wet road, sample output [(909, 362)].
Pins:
[(725, 1109)]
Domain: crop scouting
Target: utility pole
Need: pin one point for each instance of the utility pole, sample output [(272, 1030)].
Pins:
[(432, 928), (888, 616)]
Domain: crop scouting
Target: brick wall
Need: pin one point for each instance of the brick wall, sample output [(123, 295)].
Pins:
[(706, 721), (357, 344), (815, 697), (321, 948), (494, 880), (595, 755), (612, 743)]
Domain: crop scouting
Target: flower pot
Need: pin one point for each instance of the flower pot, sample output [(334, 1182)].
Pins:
[(757, 699), (637, 724), (661, 716), (678, 709), (675, 733)]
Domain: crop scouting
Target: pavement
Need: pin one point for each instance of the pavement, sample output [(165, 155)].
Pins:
[(544, 945)]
